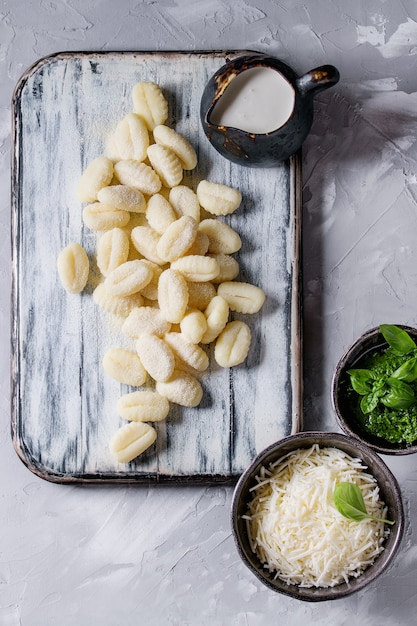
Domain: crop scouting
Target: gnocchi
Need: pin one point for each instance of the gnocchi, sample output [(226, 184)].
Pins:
[(73, 267), (232, 345), (112, 250), (229, 267), (193, 325), (216, 314), (159, 213), (99, 216), (150, 104), (123, 197), (131, 440), (182, 388), (156, 356), (218, 199), (189, 353), (145, 239), (185, 202), (242, 297), (169, 138), (222, 238), (177, 239), (131, 138), (172, 295), (97, 175), (143, 406), (200, 294), (166, 164), (145, 320), (199, 246), (128, 278), (139, 175), (196, 268), (124, 366), (150, 291)]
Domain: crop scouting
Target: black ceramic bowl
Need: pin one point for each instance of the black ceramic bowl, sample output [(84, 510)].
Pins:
[(344, 400), (389, 491)]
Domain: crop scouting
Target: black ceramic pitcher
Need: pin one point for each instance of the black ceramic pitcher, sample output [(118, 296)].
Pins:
[(269, 148)]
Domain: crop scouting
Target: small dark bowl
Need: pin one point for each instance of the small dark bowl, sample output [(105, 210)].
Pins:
[(370, 341), (389, 491)]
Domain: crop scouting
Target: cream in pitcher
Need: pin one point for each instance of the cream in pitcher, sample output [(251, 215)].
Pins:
[(259, 100)]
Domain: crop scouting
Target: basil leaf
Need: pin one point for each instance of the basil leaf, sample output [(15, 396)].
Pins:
[(349, 501), (361, 380), (397, 338), (379, 386), (369, 402), (407, 371), (399, 396)]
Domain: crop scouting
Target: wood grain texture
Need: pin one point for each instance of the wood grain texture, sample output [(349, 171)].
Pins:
[(63, 404)]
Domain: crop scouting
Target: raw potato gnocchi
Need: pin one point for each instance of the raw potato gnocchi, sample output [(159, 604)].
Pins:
[(128, 278), (218, 199), (151, 290), (182, 388), (145, 239), (123, 197), (143, 406), (197, 268), (149, 103), (229, 267), (131, 138), (145, 320), (73, 267), (156, 356), (138, 175), (190, 353), (124, 366), (193, 326), (199, 246), (216, 314), (169, 138), (222, 238), (168, 274), (242, 297), (112, 250), (166, 164), (232, 345), (160, 213), (131, 440), (97, 175), (177, 239), (172, 295), (185, 202), (99, 216)]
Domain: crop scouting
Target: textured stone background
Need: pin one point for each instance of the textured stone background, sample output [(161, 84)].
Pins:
[(123, 555)]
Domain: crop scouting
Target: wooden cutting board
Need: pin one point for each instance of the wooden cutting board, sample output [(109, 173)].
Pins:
[(63, 403)]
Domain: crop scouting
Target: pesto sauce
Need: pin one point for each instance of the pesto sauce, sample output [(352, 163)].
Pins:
[(393, 425)]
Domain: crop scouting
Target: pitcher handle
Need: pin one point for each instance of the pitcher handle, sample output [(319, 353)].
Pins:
[(318, 79)]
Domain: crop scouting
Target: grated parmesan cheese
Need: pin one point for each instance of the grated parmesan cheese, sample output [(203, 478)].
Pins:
[(297, 531)]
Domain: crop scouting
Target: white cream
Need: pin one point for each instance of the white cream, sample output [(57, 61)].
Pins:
[(258, 100)]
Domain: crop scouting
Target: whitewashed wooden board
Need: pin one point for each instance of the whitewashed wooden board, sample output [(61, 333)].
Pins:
[(63, 404)]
